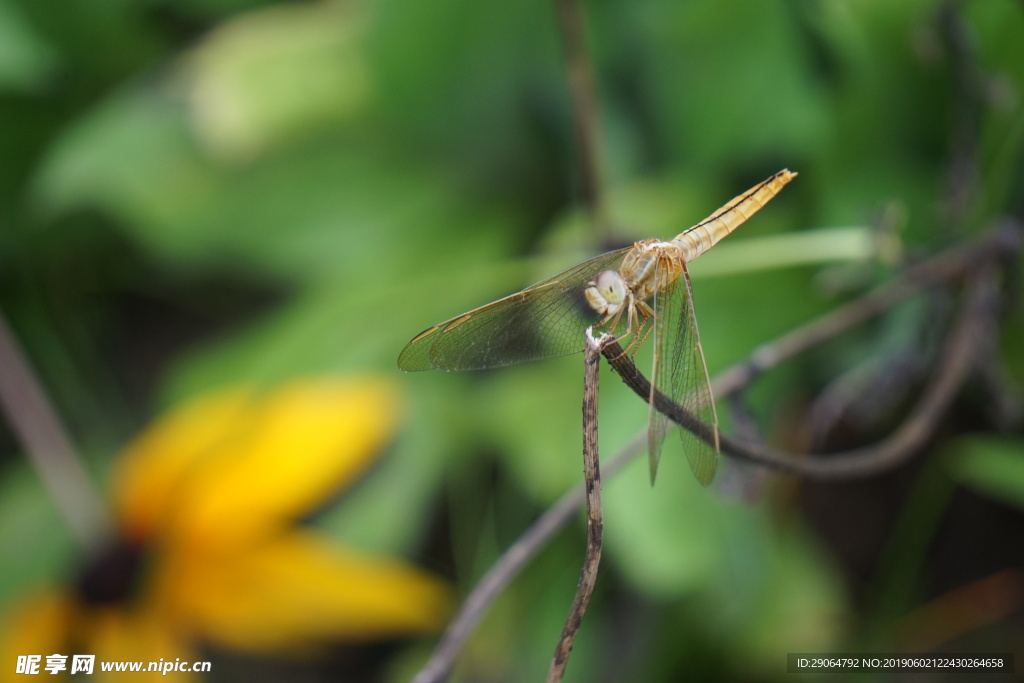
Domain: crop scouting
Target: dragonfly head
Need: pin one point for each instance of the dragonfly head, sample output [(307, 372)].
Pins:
[(607, 292)]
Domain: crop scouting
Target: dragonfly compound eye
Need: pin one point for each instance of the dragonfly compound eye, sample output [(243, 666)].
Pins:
[(607, 292), (611, 286)]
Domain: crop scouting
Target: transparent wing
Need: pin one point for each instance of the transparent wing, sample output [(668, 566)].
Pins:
[(661, 327), (681, 374), (544, 320)]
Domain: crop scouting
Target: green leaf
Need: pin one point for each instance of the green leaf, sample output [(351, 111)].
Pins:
[(993, 466), (268, 77)]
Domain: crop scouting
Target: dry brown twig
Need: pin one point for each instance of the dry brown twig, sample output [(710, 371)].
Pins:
[(595, 524)]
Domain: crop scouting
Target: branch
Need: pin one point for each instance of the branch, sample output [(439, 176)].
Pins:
[(47, 446), (595, 524), (580, 74)]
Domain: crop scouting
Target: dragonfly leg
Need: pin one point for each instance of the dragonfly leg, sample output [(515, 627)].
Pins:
[(643, 311), (631, 327), (648, 316), (611, 321)]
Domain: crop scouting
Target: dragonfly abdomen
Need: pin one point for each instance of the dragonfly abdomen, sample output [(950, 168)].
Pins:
[(695, 240)]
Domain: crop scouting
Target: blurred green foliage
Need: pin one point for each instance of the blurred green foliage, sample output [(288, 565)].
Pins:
[(991, 465), (212, 191)]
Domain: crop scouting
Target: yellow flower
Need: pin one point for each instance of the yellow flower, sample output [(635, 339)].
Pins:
[(210, 548)]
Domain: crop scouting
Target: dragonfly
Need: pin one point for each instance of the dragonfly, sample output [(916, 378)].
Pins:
[(634, 293)]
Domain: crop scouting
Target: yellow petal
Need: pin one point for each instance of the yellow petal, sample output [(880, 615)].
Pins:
[(299, 590), (309, 439), (229, 466), (115, 634), (156, 466), (36, 625), (56, 623)]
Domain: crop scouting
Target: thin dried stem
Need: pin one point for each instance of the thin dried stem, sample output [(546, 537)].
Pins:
[(580, 74), (595, 523), (47, 446)]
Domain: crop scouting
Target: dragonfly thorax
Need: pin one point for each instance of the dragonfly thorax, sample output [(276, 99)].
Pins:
[(651, 266)]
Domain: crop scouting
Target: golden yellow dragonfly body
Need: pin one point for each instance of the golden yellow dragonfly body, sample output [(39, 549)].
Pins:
[(647, 283)]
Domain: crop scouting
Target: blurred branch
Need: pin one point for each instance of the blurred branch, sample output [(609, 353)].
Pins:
[(580, 74), (47, 446), (977, 258), (966, 103), (595, 524)]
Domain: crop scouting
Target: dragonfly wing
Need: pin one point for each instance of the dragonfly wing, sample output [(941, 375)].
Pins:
[(657, 423), (681, 374), (544, 320)]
